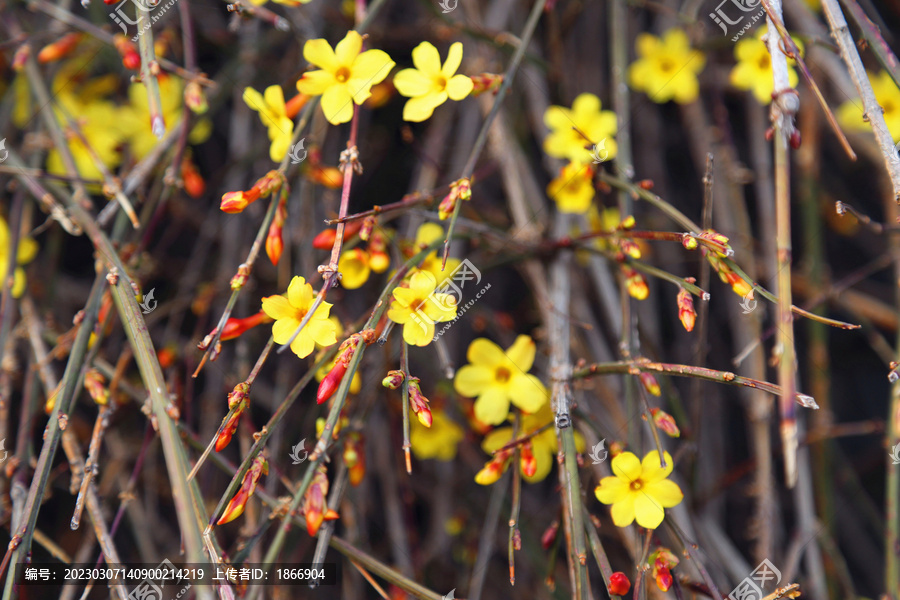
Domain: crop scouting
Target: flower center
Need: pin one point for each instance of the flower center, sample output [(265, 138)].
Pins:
[(342, 74), (502, 375), (417, 305), (765, 63), (636, 484), (666, 65), (441, 83)]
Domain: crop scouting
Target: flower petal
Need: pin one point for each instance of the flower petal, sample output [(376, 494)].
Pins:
[(627, 467), (623, 511), (418, 331), (521, 353), (427, 59), (300, 293), (421, 108), (278, 307), (319, 53), (314, 83), (650, 469), (666, 493), (304, 344), (496, 439), (404, 297), (283, 329), (412, 83), (274, 97), (454, 59), (472, 380), (648, 513), (483, 351), (440, 307), (527, 392), (612, 490), (459, 86), (337, 104), (348, 49), (422, 283), (492, 406), (321, 331), (585, 106)]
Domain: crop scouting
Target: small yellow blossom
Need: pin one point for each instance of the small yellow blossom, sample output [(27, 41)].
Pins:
[(272, 113), (667, 67), (354, 268), (346, 74), (425, 235), (438, 441), (573, 189), (418, 307), (754, 68), (93, 120), (27, 249), (574, 130), (496, 378), (850, 114), (289, 311), (429, 84), (639, 490), (544, 444)]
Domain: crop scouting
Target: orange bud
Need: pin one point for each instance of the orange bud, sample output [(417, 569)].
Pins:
[(354, 458), (527, 460), (235, 508), (236, 327), (718, 239), (314, 508), (21, 57), (131, 61), (665, 422), (59, 49), (368, 226), (448, 204), (650, 383), (95, 384), (661, 561), (630, 248), (465, 189), (686, 312), (228, 431), (239, 395), (663, 579), (235, 202), (238, 401), (330, 177), (166, 357), (494, 468), (636, 283), (619, 584), (486, 82), (616, 448), (193, 181), (130, 58), (419, 403), (325, 239), (627, 223), (194, 98), (689, 241), (268, 183), (274, 241), (294, 105), (393, 380)]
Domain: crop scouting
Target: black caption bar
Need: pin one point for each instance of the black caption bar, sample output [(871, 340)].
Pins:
[(168, 573)]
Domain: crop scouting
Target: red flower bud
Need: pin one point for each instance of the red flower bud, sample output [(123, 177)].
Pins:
[(235, 508), (549, 535), (686, 313), (193, 181), (331, 382), (59, 49), (393, 380), (274, 241), (236, 327), (619, 584), (527, 460)]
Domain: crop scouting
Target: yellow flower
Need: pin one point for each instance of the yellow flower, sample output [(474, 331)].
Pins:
[(850, 114), (354, 268), (667, 67), (425, 235), (418, 307), (754, 68), (289, 312), (497, 378), (574, 130), (27, 249), (573, 189), (544, 444), (93, 120), (429, 85), (273, 115), (438, 441), (133, 120), (639, 490), (346, 75)]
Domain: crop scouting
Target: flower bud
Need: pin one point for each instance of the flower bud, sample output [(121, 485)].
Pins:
[(650, 383), (195, 98), (95, 384), (331, 382), (21, 57), (665, 422), (689, 241), (636, 283), (235, 508), (235, 202), (59, 49), (549, 535), (619, 584), (686, 313), (393, 380), (314, 505), (237, 327), (295, 105), (330, 177), (354, 458), (419, 403), (379, 261), (448, 204), (718, 239), (274, 241), (494, 468), (368, 226), (527, 461), (193, 181), (630, 248), (486, 82)]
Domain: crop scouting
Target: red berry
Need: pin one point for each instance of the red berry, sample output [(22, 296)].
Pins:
[(619, 584)]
